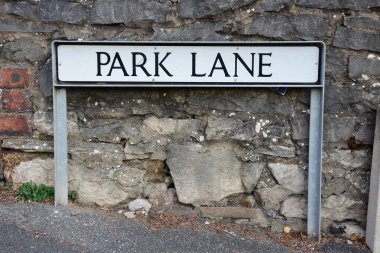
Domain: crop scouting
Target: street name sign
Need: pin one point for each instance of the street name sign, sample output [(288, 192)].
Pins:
[(188, 63)]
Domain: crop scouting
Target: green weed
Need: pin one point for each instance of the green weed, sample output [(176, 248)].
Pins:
[(33, 192)]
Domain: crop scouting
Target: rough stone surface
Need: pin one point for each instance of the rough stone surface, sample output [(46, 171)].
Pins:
[(357, 40), (360, 67), (302, 26), (39, 171), (273, 149), (7, 25), (270, 198), (289, 176), (28, 145), (339, 208), (251, 174), (48, 10), (204, 174), (198, 31), (42, 122), (200, 9), (45, 80), (349, 159), (139, 204), (362, 22), (364, 5), (294, 207), (272, 5), (121, 11), (24, 49)]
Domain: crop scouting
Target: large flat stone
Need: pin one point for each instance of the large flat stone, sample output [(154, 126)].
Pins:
[(356, 39), (204, 174), (363, 5), (289, 176)]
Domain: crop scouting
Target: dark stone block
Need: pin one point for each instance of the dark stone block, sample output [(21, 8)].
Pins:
[(358, 40), (45, 80), (304, 26), (356, 5), (49, 11), (197, 31), (128, 11), (335, 65), (362, 22), (200, 9), (24, 49), (363, 66), (30, 27)]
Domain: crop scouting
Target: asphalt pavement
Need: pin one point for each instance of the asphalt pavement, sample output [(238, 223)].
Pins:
[(28, 227)]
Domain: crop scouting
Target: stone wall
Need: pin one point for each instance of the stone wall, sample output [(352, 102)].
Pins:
[(201, 147)]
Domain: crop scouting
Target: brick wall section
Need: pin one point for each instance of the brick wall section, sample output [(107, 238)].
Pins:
[(14, 101)]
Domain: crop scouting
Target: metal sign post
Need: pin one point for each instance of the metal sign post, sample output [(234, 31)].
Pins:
[(192, 64)]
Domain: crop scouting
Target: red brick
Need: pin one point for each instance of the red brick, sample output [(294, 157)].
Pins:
[(13, 126), (15, 101), (14, 78)]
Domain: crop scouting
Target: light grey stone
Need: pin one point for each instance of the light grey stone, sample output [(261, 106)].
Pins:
[(139, 205), (271, 198), (339, 208), (259, 219), (251, 174), (129, 215), (219, 128), (302, 26), (356, 39), (7, 25), (285, 150), (198, 31), (351, 228), (289, 176), (130, 177), (28, 145), (176, 128), (201, 9), (128, 11), (204, 174), (294, 207), (42, 122), (349, 159), (39, 171)]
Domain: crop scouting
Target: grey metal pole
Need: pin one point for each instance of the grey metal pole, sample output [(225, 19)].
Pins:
[(60, 146)]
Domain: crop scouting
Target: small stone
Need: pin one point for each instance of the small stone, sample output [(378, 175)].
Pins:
[(287, 230), (129, 215), (139, 205), (120, 211), (349, 242), (354, 237)]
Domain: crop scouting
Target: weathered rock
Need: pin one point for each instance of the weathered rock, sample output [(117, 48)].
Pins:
[(128, 11), (339, 208), (364, 5), (28, 145), (176, 128), (294, 207), (155, 172), (45, 80), (130, 177), (349, 159), (200, 9), (286, 150), (260, 219), (129, 215), (357, 40), (48, 10), (302, 26), (272, 5), (204, 174), (360, 66), (229, 128), (350, 228), (270, 198), (139, 205), (159, 195), (298, 225), (338, 129), (39, 171), (335, 63), (42, 122), (362, 22), (251, 174), (289, 176), (299, 127), (97, 154), (101, 192), (113, 133), (24, 49), (7, 25)]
